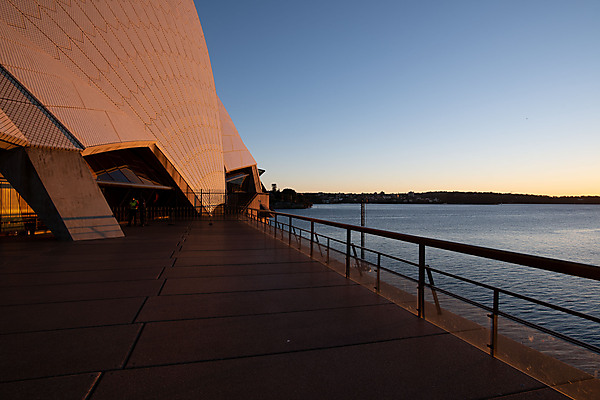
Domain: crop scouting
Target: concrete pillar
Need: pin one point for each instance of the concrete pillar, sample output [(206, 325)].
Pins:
[(59, 187)]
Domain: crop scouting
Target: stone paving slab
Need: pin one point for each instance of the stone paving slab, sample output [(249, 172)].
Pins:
[(242, 269), (240, 257), (415, 368), (102, 275), (60, 387), (220, 244), (75, 314), (218, 284), (254, 303), (80, 263), (218, 338), (78, 291), (68, 351)]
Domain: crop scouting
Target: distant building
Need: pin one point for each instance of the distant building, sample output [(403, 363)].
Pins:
[(104, 100)]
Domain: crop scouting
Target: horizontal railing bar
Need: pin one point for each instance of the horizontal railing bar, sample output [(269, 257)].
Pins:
[(520, 296), (566, 267), (376, 252), (548, 331), (414, 264), (544, 263), (517, 319)]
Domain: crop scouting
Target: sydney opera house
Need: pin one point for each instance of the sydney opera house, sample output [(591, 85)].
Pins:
[(103, 100)]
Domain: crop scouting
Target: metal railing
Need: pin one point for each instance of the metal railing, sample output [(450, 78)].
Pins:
[(123, 214), (211, 205), (16, 217), (341, 253)]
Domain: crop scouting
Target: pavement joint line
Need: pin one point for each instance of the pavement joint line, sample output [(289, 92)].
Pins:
[(234, 251), (161, 287), (137, 314), (165, 268), (261, 290), (525, 391), (55, 376), (132, 348), (309, 261), (277, 353), (213, 250), (78, 283), (246, 263), (70, 301), (247, 275), (75, 270), (263, 314), (95, 384), (71, 328)]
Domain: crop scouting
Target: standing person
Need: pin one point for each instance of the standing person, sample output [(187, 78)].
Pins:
[(142, 212), (133, 209)]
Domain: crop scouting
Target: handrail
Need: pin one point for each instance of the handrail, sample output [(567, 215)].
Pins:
[(513, 345), (548, 264)]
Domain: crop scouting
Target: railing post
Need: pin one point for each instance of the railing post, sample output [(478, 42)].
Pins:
[(377, 285), (421, 294), (290, 232), (348, 240), (494, 332), (312, 237)]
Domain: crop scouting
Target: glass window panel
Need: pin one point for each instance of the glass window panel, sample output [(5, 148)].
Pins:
[(118, 176)]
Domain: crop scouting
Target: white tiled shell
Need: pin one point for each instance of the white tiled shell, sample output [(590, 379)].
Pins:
[(22, 114), (9, 133), (120, 71), (235, 152)]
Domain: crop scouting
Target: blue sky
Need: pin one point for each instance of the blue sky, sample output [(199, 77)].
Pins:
[(395, 96)]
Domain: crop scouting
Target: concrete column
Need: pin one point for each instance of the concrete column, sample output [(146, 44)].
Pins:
[(59, 187)]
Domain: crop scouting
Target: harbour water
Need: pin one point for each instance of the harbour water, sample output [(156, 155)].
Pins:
[(566, 232)]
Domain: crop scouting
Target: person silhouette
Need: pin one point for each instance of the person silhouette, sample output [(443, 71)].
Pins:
[(133, 210)]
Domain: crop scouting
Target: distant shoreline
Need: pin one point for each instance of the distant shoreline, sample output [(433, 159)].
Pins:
[(446, 198)]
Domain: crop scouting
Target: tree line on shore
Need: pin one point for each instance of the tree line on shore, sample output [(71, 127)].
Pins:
[(289, 198)]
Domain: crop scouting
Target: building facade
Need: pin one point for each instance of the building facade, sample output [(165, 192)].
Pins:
[(103, 100)]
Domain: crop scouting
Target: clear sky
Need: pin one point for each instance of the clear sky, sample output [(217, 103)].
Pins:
[(411, 95)]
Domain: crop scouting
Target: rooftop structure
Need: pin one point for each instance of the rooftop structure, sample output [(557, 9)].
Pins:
[(101, 101)]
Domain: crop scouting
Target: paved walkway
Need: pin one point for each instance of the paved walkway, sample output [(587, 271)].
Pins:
[(218, 311)]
